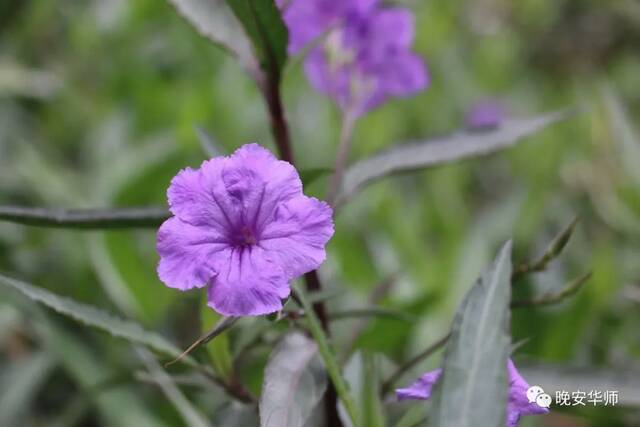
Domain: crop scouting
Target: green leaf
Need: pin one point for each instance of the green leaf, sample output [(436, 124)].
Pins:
[(191, 416), (294, 383), (474, 380), (439, 151), (92, 316), (213, 20), (624, 133), (86, 219), (362, 376), (116, 407), (263, 24), (20, 383)]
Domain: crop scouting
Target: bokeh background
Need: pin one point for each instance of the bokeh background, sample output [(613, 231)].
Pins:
[(101, 103)]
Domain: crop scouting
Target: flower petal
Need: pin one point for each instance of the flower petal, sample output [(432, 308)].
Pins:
[(200, 198), (518, 402), (186, 254), (250, 284), (404, 74), (258, 182), (421, 389), (298, 234)]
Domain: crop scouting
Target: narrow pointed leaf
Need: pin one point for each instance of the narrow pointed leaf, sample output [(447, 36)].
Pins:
[(473, 385), (214, 20), (294, 383), (92, 316), (439, 151), (263, 24), (87, 219)]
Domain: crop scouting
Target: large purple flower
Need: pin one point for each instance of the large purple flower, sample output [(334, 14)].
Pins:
[(517, 406), (364, 56), (242, 227)]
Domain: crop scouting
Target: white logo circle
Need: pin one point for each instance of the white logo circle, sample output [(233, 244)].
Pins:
[(543, 400), (533, 392)]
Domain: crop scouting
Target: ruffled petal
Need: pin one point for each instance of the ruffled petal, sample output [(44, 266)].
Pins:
[(258, 183), (297, 235), (421, 389), (200, 198), (187, 254), (249, 284)]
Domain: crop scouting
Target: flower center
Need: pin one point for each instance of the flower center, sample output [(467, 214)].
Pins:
[(336, 53), (248, 238)]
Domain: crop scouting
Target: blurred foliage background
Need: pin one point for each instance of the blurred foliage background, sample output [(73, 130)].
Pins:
[(100, 102)]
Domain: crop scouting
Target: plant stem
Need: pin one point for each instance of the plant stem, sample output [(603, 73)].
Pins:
[(270, 87), (327, 355), (553, 250), (386, 386), (279, 127), (344, 145), (569, 290)]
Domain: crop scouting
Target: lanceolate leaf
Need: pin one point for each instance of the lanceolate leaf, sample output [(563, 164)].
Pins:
[(92, 316), (474, 381), (263, 24), (213, 19), (88, 219), (294, 383), (438, 151)]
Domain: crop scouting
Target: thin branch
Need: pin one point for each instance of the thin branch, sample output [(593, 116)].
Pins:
[(86, 219), (388, 384), (554, 249), (344, 146), (378, 293), (224, 324), (553, 298), (371, 312), (355, 313)]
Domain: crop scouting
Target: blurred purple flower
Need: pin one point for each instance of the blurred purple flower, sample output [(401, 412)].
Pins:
[(485, 114), (364, 56), (517, 406), (242, 227)]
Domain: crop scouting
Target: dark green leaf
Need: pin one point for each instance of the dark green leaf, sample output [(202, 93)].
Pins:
[(87, 219), (214, 20), (473, 385), (294, 383), (439, 151), (263, 24), (92, 316)]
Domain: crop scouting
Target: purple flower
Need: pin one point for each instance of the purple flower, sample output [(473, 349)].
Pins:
[(242, 227), (517, 406), (365, 54), (309, 19), (484, 115)]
